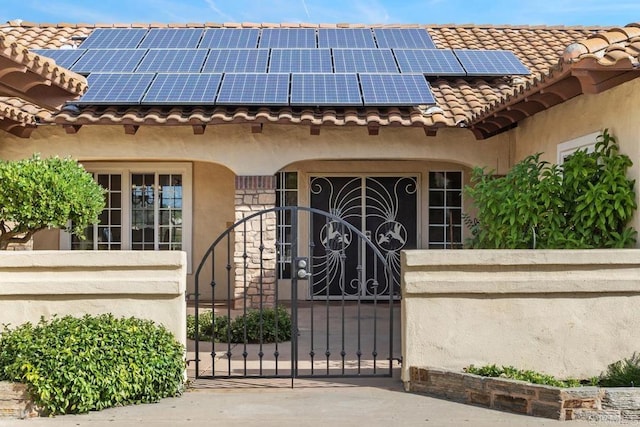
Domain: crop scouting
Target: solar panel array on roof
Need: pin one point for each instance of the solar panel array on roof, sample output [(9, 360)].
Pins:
[(364, 61), (114, 38), (404, 38), (230, 38), (490, 62), (325, 89), (63, 57), (288, 38), (254, 89), (173, 60), (346, 37), (183, 89), (112, 88), (395, 89), (271, 66), (236, 61), (109, 61), (433, 62), (176, 38), (300, 61)]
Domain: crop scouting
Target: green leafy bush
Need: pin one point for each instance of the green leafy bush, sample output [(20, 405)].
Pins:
[(585, 203), (623, 373), (40, 193), (75, 365), (521, 375), (272, 325)]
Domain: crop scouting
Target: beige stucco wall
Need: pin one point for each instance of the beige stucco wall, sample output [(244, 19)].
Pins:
[(148, 285), (245, 153), (615, 109), (566, 313)]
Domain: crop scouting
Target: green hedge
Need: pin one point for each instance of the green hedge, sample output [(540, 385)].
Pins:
[(75, 365), (270, 325)]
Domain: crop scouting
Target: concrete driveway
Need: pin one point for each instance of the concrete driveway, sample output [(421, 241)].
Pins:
[(361, 402)]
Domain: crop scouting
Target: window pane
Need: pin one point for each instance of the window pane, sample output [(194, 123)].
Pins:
[(436, 216), (436, 234), (143, 213), (436, 198), (454, 198)]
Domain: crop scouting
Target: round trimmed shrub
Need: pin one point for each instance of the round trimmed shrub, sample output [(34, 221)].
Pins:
[(75, 365)]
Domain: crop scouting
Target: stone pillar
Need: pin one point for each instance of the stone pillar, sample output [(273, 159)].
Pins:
[(255, 242)]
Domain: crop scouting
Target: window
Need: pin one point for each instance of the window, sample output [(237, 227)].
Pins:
[(286, 195), (145, 205), (587, 142), (445, 210)]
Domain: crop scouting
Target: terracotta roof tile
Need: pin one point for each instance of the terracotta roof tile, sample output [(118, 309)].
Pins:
[(540, 48)]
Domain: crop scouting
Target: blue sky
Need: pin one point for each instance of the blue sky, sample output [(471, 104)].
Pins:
[(540, 12)]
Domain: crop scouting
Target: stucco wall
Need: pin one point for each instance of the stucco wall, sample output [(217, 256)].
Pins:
[(566, 313), (245, 153), (615, 109), (148, 285)]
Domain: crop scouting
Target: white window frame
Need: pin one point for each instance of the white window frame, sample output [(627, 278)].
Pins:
[(126, 169), (567, 148)]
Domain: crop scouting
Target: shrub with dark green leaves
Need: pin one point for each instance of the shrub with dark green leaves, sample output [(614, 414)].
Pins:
[(75, 365), (623, 373), (510, 372), (587, 202), (268, 325)]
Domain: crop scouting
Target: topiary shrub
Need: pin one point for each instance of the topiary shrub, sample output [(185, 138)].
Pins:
[(270, 325), (75, 365)]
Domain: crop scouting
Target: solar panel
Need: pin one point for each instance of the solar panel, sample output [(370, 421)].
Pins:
[(395, 89), (116, 88), (403, 38), (325, 89), (288, 38), (300, 61), (170, 89), (432, 62), (346, 37), (63, 57), (364, 61), (166, 38), (254, 89), (225, 38), (236, 61), (173, 61), (109, 61), (490, 62), (114, 38)]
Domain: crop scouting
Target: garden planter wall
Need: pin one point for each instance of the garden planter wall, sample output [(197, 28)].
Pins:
[(577, 403), (567, 313), (147, 285)]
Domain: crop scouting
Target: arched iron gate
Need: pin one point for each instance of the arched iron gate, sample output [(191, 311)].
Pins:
[(330, 333)]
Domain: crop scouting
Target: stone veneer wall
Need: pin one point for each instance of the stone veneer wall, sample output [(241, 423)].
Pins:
[(578, 403), (255, 242)]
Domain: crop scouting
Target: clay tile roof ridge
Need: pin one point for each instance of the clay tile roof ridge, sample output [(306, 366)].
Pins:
[(20, 23)]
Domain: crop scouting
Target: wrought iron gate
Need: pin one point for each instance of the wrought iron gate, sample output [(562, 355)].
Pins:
[(328, 334)]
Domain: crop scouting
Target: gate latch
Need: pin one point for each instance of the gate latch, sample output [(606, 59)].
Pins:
[(302, 268)]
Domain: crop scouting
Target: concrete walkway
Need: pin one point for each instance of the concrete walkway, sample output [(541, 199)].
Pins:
[(379, 402)]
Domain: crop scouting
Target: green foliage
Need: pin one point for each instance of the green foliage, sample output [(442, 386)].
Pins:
[(40, 193), (585, 203), (521, 375), (623, 373), (268, 325), (75, 365)]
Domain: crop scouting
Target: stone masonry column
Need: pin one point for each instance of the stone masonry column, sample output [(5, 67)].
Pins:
[(255, 242)]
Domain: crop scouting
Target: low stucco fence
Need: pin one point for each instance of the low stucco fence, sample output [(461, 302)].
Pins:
[(568, 313), (148, 285)]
